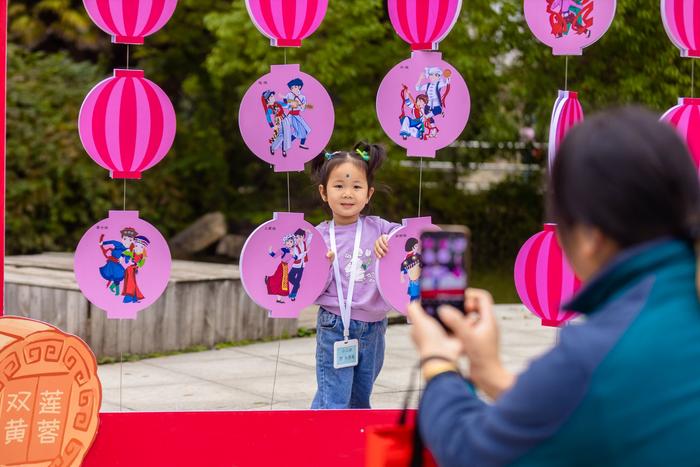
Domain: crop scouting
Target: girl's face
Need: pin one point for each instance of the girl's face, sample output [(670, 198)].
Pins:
[(127, 241), (347, 192), (289, 243), (271, 99)]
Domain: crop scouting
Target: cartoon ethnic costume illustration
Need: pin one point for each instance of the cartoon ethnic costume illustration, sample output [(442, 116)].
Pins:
[(124, 260), (567, 15), (294, 255), (285, 118), (418, 113), (411, 267)]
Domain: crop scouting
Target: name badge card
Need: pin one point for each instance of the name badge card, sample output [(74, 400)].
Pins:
[(346, 354)]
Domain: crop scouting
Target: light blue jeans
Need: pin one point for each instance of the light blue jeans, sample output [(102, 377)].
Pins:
[(347, 388)]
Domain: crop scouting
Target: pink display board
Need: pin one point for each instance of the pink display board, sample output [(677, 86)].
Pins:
[(682, 22), (568, 26), (685, 118), (122, 264), (284, 266), (129, 21), (127, 124), (398, 273), (423, 104), (424, 23), (287, 22), (543, 278), (286, 118), (567, 112)]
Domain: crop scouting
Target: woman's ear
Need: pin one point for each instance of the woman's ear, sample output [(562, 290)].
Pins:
[(322, 192)]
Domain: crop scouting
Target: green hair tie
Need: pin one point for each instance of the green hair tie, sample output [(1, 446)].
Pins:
[(363, 154)]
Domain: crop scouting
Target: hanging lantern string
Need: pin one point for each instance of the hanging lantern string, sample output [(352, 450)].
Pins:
[(121, 352), (274, 381), (289, 198), (121, 365), (566, 75), (420, 186), (692, 78)]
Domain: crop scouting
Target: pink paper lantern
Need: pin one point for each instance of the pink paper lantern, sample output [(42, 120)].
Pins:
[(122, 264), (424, 23), (283, 265), (127, 124), (129, 21), (567, 112), (568, 26), (423, 104), (682, 22), (543, 278), (287, 22), (685, 118), (398, 272)]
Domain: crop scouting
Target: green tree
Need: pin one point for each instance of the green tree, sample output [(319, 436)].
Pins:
[(209, 53), (54, 191)]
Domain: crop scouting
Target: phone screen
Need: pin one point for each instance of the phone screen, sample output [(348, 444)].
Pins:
[(444, 276)]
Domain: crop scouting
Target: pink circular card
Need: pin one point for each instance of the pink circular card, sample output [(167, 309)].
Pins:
[(284, 266), (122, 264), (286, 118), (423, 104), (568, 26), (398, 273)]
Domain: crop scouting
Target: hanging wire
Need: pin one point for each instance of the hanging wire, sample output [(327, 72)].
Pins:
[(121, 352), (692, 78), (289, 198), (285, 55), (420, 186), (566, 75), (274, 381), (121, 367)]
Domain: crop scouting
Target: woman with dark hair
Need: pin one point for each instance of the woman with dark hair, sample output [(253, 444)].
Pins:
[(623, 387)]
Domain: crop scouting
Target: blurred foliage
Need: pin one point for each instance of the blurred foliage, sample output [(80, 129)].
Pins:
[(54, 191), (210, 52)]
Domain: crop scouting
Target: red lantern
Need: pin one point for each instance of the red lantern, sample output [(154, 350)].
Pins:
[(543, 278), (682, 23), (287, 22), (424, 23), (567, 112), (685, 118), (129, 21), (127, 124)]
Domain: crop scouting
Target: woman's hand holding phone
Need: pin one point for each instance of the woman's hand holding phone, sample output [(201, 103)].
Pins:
[(476, 334)]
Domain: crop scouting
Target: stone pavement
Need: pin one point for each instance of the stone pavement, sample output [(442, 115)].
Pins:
[(243, 378)]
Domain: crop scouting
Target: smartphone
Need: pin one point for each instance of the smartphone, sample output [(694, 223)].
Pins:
[(444, 275)]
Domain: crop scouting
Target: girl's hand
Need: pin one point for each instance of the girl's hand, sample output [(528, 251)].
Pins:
[(330, 255), (381, 246)]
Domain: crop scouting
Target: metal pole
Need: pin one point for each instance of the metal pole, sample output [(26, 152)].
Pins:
[(3, 144)]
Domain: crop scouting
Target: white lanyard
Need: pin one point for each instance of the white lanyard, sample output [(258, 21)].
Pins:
[(346, 307)]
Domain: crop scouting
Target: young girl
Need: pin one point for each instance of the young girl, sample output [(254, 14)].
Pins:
[(351, 307)]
